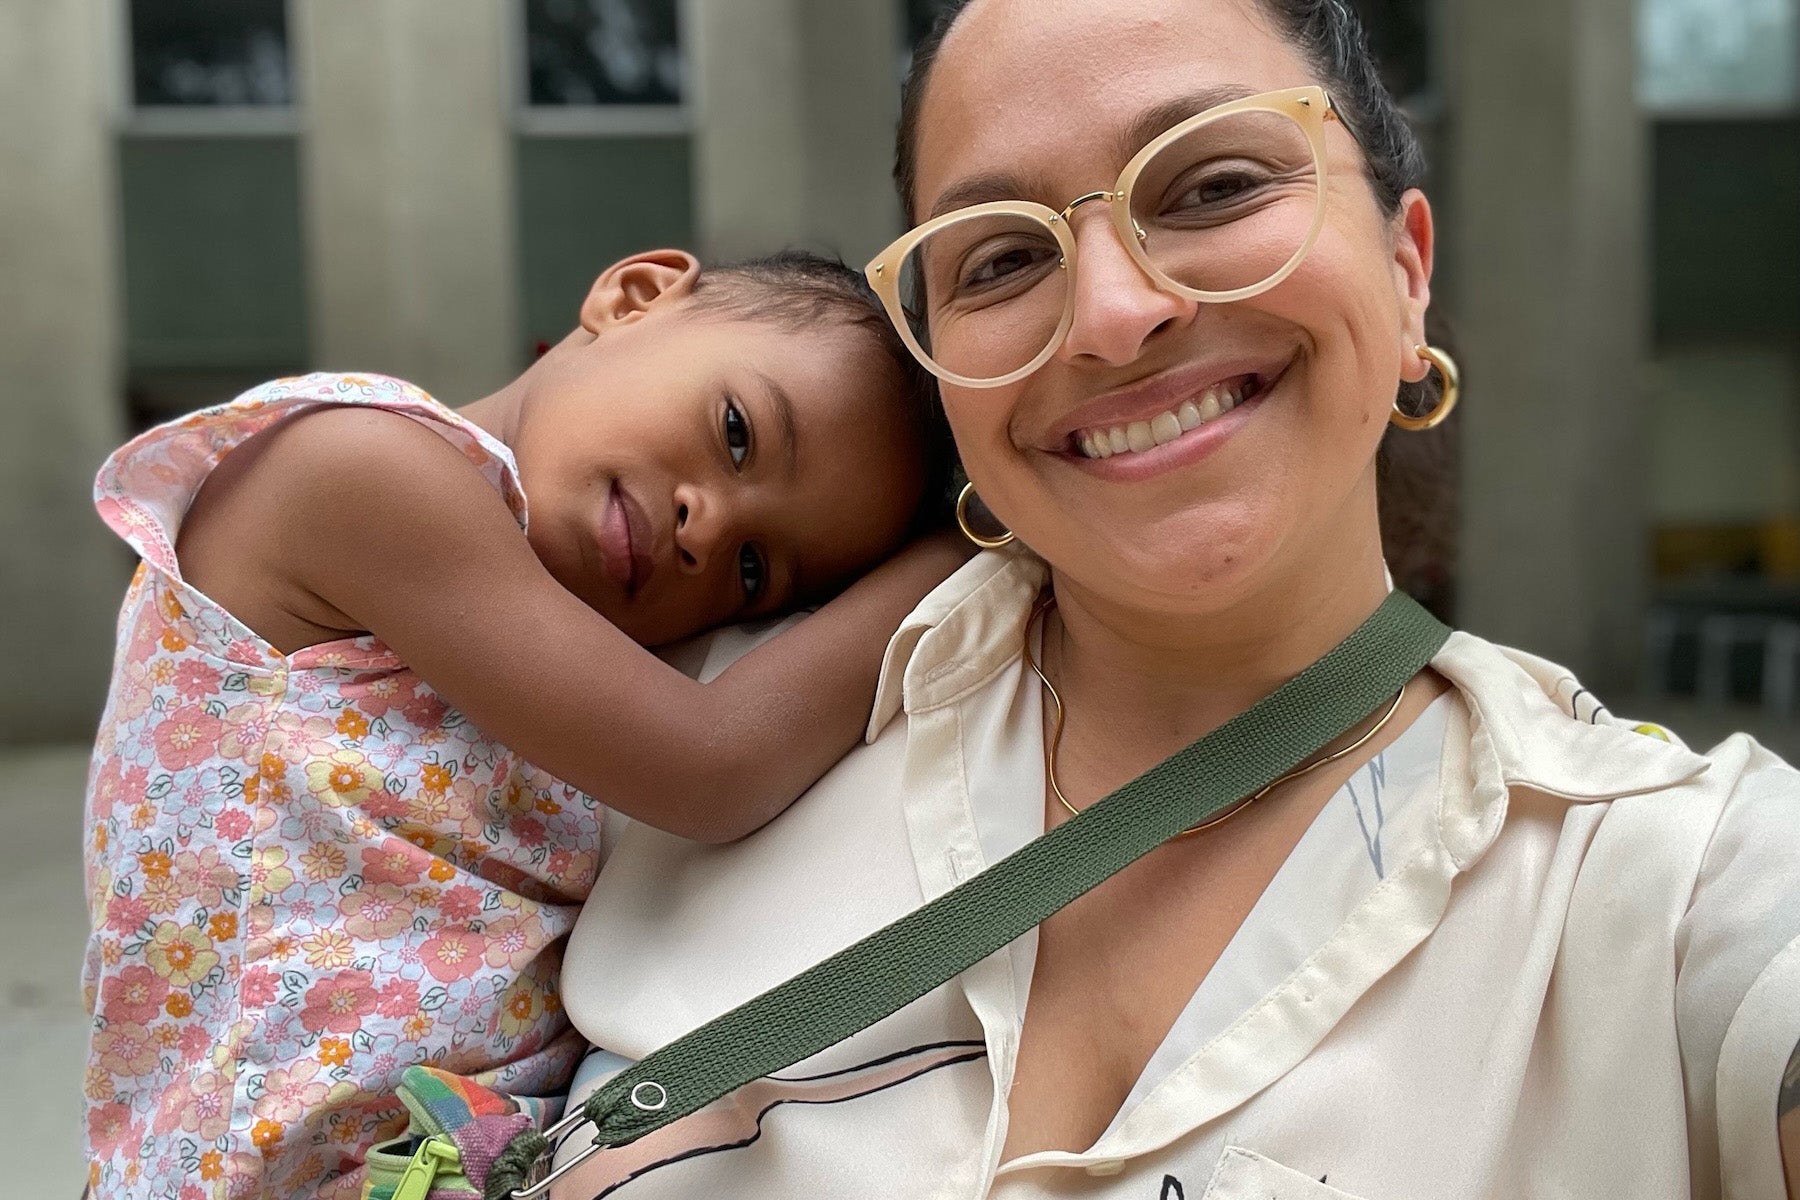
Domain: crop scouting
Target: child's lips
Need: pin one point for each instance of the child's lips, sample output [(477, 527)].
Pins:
[(625, 541)]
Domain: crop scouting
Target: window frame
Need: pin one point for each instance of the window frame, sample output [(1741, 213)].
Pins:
[(198, 120), (597, 120), (1713, 110)]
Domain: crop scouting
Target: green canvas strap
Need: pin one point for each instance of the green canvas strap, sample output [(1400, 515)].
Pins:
[(896, 965)]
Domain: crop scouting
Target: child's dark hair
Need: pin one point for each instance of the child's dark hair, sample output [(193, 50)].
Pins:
[(799, 290)]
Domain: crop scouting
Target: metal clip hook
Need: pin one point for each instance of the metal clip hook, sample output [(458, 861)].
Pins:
[(648, 1096), (554, 1135)]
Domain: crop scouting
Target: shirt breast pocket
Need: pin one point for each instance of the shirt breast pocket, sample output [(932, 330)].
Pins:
[(1246, 1175)]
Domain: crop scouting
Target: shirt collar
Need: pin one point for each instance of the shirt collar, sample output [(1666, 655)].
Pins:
[(1539, 728), (1529, 724), (970, 627)]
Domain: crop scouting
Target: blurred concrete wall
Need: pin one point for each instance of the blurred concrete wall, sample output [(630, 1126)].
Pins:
[(1550, 232), (406, 190), (434, 239), (409, 228), (61, 574), (797, 106)]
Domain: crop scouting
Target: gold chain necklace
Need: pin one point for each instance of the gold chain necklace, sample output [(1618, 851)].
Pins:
[(1056, 732)]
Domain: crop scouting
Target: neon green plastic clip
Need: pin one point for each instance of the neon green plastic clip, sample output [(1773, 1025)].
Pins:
[(434, 1155)]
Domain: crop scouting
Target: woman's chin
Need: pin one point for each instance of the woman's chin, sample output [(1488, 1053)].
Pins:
[(1165, 573)]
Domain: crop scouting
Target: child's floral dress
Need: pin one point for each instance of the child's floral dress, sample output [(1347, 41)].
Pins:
[(305, 872)]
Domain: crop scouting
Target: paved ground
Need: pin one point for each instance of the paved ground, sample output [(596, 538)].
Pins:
[(43, 1029)]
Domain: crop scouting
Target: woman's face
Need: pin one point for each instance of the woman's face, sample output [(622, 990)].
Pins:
[(1047, 93)]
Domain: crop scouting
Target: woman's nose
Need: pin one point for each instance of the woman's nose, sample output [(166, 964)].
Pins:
[(1117, 306)]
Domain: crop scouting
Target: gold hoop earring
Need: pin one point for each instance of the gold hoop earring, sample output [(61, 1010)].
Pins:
[(1446, 401), (962, 520)]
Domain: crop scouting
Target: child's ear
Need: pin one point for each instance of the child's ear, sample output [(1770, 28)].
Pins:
[(629, 288)]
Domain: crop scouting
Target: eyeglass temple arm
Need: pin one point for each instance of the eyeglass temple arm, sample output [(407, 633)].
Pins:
[(1332, 113)]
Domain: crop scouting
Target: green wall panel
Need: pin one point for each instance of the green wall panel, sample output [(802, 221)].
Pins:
[(214, 275), (585, 203), (1726, 221)]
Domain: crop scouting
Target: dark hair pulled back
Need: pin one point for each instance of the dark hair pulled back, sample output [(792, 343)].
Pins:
[(1416, 470), (1327, 32)]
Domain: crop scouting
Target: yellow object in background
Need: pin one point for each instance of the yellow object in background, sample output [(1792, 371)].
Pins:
[(1781, 548)]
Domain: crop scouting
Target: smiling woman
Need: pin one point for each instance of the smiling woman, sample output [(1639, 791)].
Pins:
[(1171, 265)]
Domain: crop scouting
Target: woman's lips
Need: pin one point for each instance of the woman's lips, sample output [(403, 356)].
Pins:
[(625, 541), (1190, 447), (1166, 391)]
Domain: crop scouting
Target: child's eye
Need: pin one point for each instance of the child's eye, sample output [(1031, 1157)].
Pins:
[(737, 433), (754, 573)]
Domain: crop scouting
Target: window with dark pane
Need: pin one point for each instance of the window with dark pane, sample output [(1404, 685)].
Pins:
[(210, 52), (588, 52), (1719, 54)]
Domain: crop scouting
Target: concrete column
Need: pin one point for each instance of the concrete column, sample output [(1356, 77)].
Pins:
[(407, 187), (61, 573), (744, 66), (852, 77), (795, 105), (1549, 236)]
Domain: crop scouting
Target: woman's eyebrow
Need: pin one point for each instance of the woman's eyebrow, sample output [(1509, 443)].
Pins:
[(979, 189), (1160, 118)]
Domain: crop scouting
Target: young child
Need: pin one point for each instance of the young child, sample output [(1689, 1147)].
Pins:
[(347, 795)]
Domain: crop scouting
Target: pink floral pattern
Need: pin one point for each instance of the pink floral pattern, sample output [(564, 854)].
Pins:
[(305, 872)]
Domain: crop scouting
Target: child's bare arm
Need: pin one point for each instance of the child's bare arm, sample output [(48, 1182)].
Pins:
[(391, 527)]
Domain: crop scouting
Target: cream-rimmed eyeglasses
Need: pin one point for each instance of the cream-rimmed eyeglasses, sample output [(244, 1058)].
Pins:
[(1221, 207)]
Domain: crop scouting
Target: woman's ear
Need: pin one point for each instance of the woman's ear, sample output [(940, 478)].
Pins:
[(630, 287), (1415, 244)]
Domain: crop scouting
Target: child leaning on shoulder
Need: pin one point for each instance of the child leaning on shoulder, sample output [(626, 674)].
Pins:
[(370, 706)]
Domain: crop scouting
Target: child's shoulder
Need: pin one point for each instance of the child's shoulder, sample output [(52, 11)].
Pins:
[(339, 444), (360, 433), (300, 436), (345, 427), (251, 489), (184, 451), (357, 462), (345, 388)]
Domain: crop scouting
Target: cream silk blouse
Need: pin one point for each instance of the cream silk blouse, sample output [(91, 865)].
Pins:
[(1531, 950)]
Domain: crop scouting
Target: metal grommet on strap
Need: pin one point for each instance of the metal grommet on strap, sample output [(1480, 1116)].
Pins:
[(655, 1101)]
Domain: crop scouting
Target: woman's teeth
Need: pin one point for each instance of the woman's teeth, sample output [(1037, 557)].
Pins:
[(1163, 428)]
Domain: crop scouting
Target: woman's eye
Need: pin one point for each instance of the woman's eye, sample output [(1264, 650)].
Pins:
[(737, 433), (1213, 192), (1222, 188), (754, 573), (1002, 268)]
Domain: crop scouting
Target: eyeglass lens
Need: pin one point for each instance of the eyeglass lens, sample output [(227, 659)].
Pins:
[(1222, 208)]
